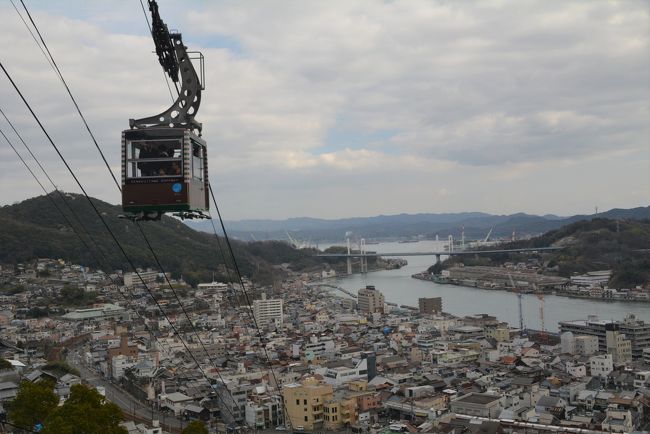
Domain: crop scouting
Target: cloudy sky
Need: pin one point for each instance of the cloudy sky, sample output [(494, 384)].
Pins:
[(356, 108)]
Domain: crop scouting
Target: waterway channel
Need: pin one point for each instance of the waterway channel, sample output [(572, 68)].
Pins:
[(399, 287)]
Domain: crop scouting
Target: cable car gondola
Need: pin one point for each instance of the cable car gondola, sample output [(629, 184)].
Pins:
[(164, 158)]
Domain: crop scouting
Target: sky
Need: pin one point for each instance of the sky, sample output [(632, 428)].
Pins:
[(353, 108)]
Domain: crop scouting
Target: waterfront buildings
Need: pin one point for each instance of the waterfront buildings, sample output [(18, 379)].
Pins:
[(370, 300), (335, 368), (430, 305), (268, 311), (637, 331)]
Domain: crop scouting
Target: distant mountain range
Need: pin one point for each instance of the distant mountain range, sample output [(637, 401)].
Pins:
[(408, 226)]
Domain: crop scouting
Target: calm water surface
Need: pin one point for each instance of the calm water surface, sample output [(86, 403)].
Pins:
[(399, 287)]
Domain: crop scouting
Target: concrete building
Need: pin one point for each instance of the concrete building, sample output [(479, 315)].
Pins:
[(268, 311), (637, 331), (132, 279), (430, 305), (370, 300), (99, 312), (233, 401), (592, 278), (264, 412), (568, 343), (304, 403), (340, 375), (619, 347), (477, 404), (601, 366), (586, 345)]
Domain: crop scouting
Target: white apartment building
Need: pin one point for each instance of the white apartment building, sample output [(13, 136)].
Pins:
[(268, 311), (601, 366), (132, 279)]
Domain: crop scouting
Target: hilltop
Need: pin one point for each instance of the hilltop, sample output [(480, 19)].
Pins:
[(599, 244), (35, 229)]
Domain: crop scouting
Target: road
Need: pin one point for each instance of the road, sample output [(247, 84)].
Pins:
[(132, 408)]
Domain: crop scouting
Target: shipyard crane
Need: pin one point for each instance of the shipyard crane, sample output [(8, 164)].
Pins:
[(487, 237), (519, 301), (543, 336), (164, 158)]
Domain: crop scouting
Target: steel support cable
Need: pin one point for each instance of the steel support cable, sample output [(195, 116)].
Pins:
[(86, 246), (56, 188), (251, 316), (60, 75), (146, 17), (118, 185), (247, 298), (74, 101), (113, 236), (198, 337), (31, 33)]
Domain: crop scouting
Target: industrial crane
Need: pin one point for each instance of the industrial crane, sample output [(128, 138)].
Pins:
[(519, 297)]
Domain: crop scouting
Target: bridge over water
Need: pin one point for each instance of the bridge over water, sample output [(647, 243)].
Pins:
[(438, 254)]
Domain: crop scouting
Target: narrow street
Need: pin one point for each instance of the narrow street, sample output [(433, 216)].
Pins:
[(132, 408)]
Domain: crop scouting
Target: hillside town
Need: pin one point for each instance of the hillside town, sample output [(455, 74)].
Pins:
[(302, 356)]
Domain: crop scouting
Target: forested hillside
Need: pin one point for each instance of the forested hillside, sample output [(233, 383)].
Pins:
[(35, 228)]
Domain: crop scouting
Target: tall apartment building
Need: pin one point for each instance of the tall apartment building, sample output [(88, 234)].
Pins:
[(430, 305), (619, 347), (311, 405), (637, 331), (304, 403), (268, 311), (370, 300)]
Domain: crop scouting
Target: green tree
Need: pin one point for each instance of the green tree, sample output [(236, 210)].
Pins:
[(85, 412), (195, 427), (5, 364), (33, 404)]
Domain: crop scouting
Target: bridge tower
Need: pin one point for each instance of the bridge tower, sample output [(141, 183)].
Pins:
[(364, 259), (348, 235)]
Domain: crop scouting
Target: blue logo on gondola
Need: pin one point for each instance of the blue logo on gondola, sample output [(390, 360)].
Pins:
[(177, 187)]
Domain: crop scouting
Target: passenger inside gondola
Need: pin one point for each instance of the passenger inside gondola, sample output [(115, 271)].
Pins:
[(155, 159)]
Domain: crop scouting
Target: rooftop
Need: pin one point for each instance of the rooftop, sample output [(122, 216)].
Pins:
[(478, 398)]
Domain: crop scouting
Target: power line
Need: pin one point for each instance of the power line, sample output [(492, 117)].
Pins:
[(246, 297), (57, 70), (74, 101), (107, 262), (146, 17), (31, 33), (119, 188), (130, 262)]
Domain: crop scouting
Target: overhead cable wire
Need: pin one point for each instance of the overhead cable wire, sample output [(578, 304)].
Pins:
[(60, 75), (53, 62), (146, 17), (56, 188), (74, 101), (105, 224), (247, 298), (234, 261), (65, 217), (31, 33)]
